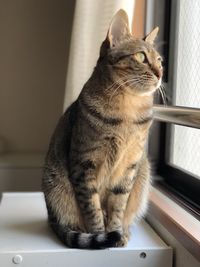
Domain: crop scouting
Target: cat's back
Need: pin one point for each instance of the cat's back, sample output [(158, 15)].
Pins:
[(59, 146)]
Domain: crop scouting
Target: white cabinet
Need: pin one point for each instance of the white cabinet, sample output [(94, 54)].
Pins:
[(27, 241)]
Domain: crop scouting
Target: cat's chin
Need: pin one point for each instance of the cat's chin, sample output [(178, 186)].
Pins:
[(152, 89), (149, 90), (146, 91)]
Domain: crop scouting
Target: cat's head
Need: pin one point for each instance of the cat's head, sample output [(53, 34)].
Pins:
[(134, 62)]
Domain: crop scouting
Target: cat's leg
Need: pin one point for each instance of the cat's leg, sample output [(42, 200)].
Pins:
[(138, 198), (83, 179), (117, 199)]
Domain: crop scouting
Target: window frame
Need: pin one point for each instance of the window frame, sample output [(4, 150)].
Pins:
[(180, 185)]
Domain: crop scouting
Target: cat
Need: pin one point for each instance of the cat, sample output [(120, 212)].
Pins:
[(97, 176)]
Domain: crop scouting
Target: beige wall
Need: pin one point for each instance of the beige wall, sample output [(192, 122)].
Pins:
[(34, 44)]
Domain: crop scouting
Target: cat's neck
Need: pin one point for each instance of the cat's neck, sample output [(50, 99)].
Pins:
[(132, 107), (114, 100)]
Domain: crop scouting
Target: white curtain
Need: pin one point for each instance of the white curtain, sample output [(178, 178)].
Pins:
[(91, 22)]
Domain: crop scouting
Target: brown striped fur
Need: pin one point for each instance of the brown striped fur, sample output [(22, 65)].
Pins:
[(96, 175)]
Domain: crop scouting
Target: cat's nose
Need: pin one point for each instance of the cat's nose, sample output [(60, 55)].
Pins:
[(157, 73)]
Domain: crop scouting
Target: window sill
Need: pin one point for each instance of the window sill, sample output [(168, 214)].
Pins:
[(181, 224)]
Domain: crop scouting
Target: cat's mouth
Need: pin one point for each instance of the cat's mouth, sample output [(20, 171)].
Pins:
[(151, 88), (146, 86)]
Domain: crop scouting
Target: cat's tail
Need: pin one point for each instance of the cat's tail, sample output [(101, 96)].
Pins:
[(75, 239)]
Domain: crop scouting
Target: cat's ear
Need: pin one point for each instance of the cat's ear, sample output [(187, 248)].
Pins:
[(152, 36), (119, 28)]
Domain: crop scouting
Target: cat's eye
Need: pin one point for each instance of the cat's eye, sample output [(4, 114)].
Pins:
[(160, 59), (140, 57)]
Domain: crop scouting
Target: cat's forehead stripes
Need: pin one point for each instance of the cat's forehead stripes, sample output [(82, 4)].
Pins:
[(134, 46), (152, 55)]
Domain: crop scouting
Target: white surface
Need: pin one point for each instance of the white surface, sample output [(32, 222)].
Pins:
[(24, 231)]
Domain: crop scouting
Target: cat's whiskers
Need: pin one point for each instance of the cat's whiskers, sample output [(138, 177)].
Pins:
[(122, 84), (118, 82), (141, 80), (164, 91), (163, 94)]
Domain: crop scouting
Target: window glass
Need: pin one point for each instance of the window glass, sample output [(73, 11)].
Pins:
[(185, 145), (187, 85), (185, 149)]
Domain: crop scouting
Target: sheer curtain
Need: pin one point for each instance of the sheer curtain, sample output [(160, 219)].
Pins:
[(91, 21)]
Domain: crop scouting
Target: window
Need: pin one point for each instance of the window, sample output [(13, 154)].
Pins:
[(186, 86), (178, 153)]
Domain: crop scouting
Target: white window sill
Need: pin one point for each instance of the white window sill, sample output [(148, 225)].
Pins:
[(25, 236)]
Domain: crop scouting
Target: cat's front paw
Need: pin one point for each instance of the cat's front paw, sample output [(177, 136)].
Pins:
[(96, 229), (123, 241), (110, 227)]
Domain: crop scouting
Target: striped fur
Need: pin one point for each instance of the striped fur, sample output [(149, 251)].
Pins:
[(96, 175)]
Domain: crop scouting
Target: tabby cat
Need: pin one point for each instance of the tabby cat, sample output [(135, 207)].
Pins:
[(96, 175)]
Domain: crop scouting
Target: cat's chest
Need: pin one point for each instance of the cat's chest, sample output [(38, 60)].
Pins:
[(131, 135), (129, 140), (123, 149)]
